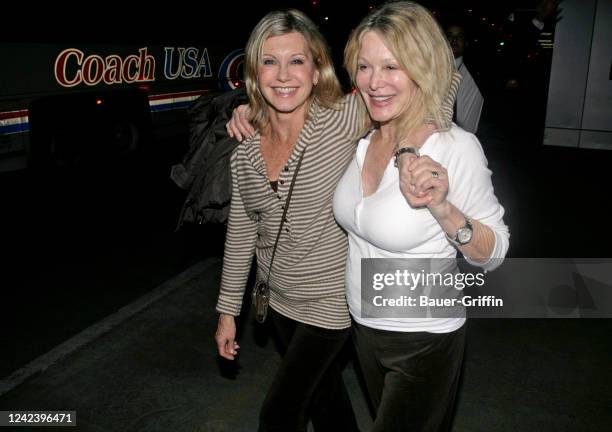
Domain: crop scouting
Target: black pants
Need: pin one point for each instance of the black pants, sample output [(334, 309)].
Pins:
[(412, 377), (309, 382)]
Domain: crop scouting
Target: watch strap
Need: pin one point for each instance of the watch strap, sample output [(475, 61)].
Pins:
[(455, 240)]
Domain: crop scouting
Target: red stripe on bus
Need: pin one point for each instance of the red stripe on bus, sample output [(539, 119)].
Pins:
[(13, 114)]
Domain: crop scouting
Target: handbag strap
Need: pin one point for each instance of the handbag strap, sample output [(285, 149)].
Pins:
[(280, 228)]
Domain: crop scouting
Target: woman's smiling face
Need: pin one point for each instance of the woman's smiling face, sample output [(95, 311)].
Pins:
[(385, 87), (286, 72)]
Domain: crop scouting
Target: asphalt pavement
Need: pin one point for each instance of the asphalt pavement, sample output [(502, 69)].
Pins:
[(152, 366)]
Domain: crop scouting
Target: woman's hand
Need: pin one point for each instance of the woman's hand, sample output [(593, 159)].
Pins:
[(423, 181), (239, 126), (226, 337)]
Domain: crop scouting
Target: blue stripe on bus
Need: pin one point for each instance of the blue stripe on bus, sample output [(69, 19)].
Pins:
[(170, 106), (14, 128)]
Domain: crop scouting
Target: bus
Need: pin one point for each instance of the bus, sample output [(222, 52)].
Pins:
[(63, 104)]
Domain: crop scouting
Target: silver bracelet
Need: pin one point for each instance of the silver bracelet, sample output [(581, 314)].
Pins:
[(403, 150)]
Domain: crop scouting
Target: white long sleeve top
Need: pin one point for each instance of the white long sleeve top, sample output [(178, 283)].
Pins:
[(384, 225)]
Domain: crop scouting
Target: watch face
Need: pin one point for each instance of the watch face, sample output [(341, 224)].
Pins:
[(464, 235)]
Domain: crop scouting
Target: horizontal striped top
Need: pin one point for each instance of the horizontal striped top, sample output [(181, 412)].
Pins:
[(307, 281)]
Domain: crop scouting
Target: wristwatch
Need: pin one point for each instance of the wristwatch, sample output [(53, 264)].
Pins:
[(463, 235)]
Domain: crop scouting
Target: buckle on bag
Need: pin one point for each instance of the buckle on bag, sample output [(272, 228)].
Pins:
[(261, 299)]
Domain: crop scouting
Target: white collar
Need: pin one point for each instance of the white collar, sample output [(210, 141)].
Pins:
[(459, 62)]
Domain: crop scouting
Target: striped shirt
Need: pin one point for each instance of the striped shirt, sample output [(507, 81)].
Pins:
[(307, 281)]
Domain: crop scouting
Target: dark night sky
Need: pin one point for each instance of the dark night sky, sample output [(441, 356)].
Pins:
[(203, 19)]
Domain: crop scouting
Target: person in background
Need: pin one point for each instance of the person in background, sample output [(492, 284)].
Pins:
[(439, 199), (526, 67), (528, 28), (468, 107)]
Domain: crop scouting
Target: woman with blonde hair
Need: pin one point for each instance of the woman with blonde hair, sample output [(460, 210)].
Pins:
[(427, 200), (305, 125)]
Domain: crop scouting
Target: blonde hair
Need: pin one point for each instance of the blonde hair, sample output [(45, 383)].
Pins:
[(327, 92), (417, 42)]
